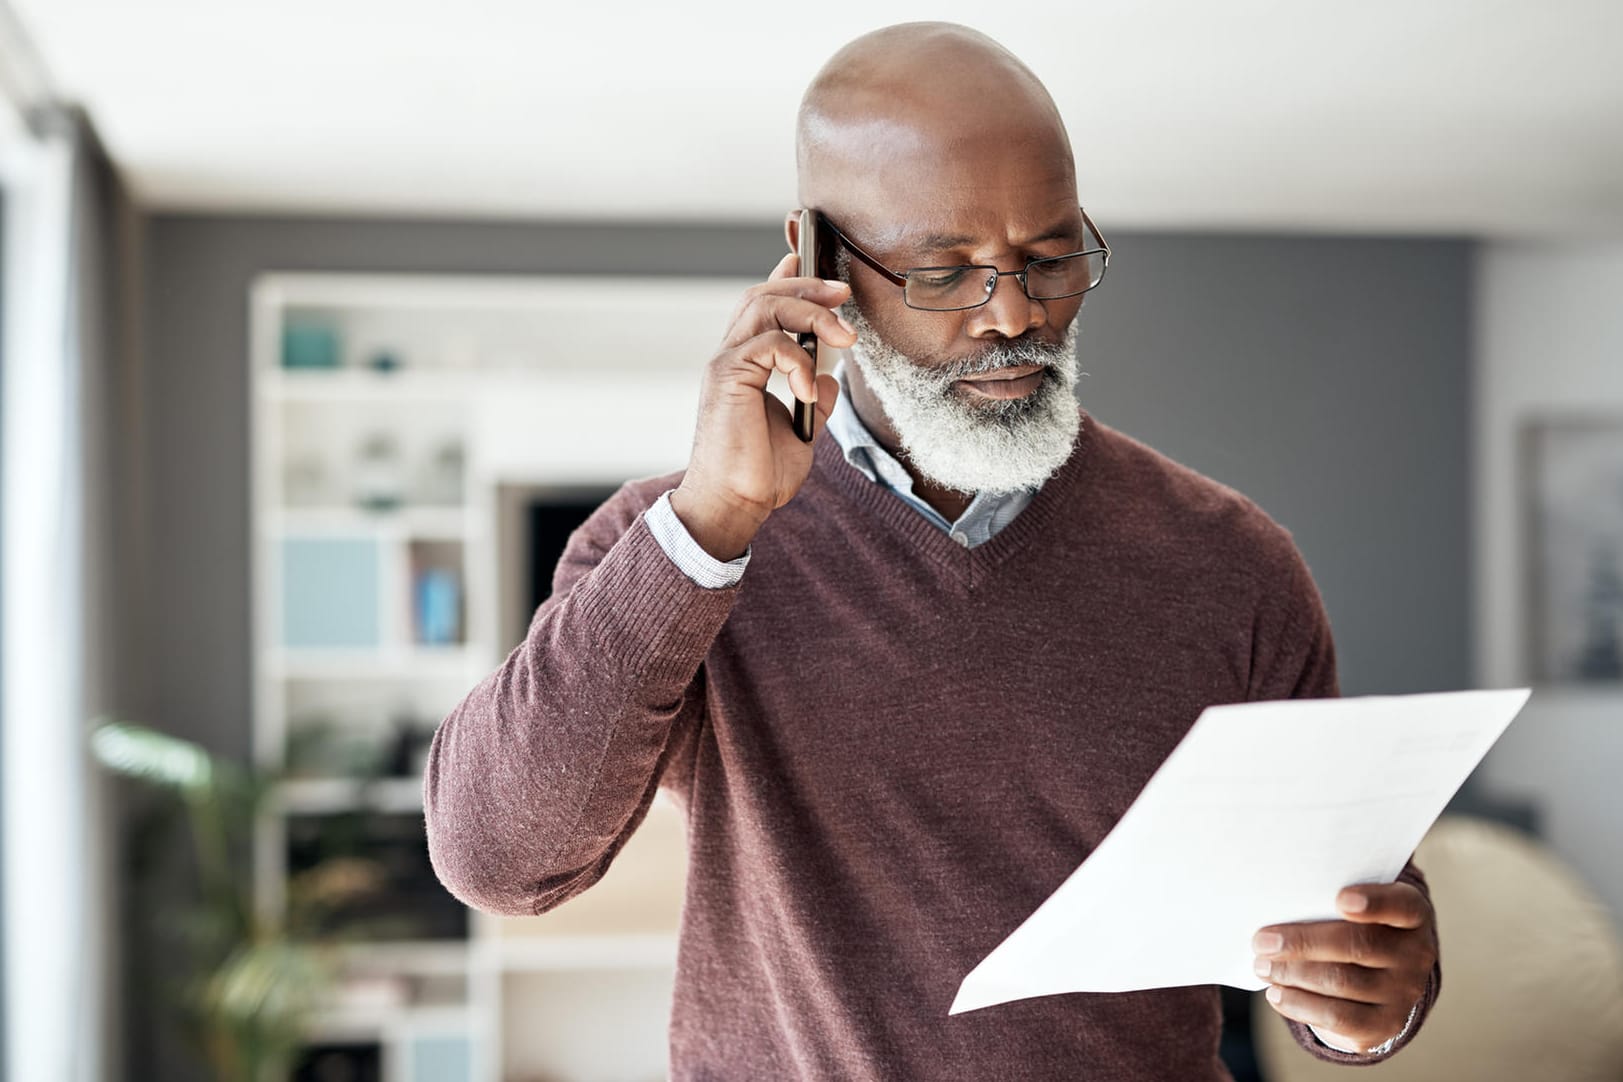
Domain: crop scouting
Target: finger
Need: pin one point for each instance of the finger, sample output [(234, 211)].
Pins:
[(787, 267), (753, 363), (1337, 980), (797, 308), (828, 390), (784, 279), (1400, 905), (1365, 1025), (1373, 945)]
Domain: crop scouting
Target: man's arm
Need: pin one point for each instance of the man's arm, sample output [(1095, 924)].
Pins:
[(1331, 979), (541, 773)]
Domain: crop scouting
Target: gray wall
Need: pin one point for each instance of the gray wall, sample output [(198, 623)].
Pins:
[(1330, 381)]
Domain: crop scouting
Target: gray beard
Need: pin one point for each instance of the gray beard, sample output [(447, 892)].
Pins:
[(994, 446)]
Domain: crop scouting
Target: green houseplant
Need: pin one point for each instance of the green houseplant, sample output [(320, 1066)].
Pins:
[(253, 980)]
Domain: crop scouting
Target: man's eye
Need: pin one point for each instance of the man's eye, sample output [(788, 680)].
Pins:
[(940, 279)]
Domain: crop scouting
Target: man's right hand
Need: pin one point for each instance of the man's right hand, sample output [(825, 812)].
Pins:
[(747, 460)]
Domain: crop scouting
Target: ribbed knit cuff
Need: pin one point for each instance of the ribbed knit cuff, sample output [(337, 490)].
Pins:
[(653, 620)]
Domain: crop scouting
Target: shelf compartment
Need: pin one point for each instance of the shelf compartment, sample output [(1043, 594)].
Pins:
[(330, 593), (438, 587), (382, 885)]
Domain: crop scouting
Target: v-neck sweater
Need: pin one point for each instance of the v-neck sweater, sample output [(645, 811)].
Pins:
[(889, 749)]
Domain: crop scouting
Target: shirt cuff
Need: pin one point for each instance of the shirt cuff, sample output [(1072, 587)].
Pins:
[(1328, 1043), (686, 553)]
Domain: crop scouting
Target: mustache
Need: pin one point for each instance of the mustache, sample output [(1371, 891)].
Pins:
[(1020, 351)]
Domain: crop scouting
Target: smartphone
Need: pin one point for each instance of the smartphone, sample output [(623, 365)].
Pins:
[(813, 256)]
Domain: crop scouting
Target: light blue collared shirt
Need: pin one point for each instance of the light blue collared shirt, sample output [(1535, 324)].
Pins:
[(984, 517)]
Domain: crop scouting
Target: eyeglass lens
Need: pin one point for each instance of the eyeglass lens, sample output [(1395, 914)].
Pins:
[(967, 287)]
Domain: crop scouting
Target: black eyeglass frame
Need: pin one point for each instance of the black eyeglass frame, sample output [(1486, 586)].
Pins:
[(900, 277)]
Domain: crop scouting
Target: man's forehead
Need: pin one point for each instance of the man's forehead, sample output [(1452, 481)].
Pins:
[(930, 239), (941, 230), (945, 203)]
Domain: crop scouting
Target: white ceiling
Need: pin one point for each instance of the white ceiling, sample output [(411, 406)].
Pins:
[(1499, 117)]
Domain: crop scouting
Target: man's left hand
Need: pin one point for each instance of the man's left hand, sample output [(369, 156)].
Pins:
[(1354, 980)]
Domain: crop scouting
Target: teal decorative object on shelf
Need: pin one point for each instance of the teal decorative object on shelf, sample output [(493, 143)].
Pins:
[(384, 360), (310, 345)]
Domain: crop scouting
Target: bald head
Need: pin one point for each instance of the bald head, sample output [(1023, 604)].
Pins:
[(926, 104)]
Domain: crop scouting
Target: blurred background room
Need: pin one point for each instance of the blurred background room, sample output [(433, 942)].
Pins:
[(323, 324)]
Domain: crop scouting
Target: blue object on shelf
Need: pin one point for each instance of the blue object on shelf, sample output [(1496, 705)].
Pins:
[(329, 592), (309, 345), (439, 605), (442, 1059)]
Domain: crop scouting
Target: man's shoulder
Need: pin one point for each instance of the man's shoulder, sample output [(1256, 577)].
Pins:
[(1156, 497)]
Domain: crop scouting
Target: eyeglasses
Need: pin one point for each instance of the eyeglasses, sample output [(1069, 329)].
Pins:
[(953, 289)]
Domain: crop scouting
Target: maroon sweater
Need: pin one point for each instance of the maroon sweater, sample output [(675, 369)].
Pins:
[(890, 749)]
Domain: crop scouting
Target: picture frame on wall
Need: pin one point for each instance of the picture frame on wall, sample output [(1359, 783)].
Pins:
[(1572, 470)]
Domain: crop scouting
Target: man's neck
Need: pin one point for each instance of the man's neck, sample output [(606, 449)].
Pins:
[(948, 503)]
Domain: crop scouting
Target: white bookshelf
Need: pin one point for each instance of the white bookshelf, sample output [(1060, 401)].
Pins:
[(544, 384)]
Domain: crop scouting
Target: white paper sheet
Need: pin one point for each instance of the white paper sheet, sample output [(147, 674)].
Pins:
[(1260, 815)]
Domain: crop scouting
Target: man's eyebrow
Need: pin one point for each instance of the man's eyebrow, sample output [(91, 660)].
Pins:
[(939, 242), (943, 242)]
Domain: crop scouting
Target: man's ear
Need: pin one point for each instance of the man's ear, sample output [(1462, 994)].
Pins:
[(791, 232)]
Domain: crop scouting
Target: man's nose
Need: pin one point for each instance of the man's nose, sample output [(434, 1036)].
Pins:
[(1008, 311)]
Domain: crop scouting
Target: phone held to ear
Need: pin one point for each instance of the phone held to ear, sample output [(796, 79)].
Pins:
[(811, 253)]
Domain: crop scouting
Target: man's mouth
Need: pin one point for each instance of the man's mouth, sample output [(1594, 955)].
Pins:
[(1014, 381)]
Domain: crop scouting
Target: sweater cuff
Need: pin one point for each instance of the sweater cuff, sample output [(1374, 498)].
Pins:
[(649, 616), (1380, 1049), (1310, 1040)]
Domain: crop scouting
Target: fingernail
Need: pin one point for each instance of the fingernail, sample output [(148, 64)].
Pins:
[(1275, 994), (1354, 902), (1267, 942), (834, 283), (844, 323), (1263, 967)]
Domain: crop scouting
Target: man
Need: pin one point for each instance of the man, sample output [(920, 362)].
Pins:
[(904, 678)]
